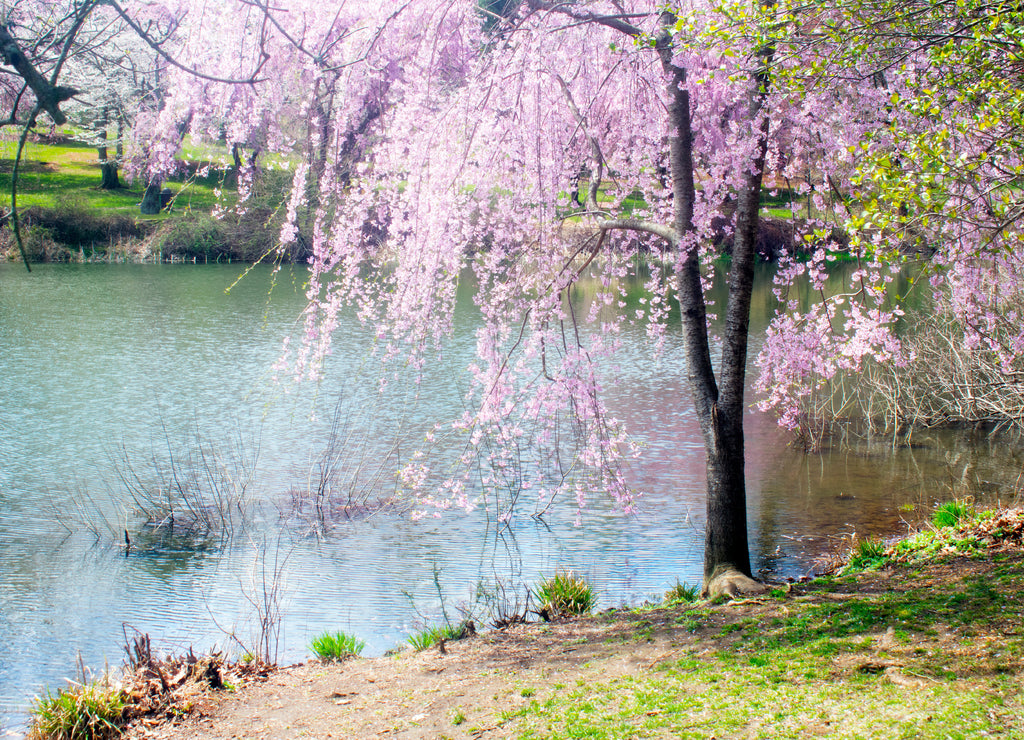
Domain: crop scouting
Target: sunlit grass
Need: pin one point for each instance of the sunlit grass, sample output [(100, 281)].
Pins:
[(815, 668), (92, 711), (429, 636), (952, 513), (52, 174), (336, 646), (565, 594), (682, 593)]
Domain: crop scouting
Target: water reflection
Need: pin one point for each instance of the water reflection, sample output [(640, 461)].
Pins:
[(112, 368)]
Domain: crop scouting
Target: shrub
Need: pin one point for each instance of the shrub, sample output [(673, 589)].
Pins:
[(75, 224), (336, 646), (92, 711), (682, 593), (250, 232), (192, 236), (952, 513), (565, 594)]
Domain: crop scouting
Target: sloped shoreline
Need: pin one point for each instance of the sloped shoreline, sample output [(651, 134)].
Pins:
[(924, 647)]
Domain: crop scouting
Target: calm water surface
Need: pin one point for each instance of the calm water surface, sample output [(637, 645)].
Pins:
[(110, 371)]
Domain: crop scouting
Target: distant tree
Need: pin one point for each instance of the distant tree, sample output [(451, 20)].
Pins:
[(118, 79)]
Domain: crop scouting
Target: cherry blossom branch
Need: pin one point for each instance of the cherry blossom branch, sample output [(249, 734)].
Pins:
[(595, 148), (169, 58)]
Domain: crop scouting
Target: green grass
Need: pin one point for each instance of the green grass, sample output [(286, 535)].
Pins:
[(974, 604), (868, 554), (931, 649), (66, 216), (682, 593), (716, 699), (336, 646), (815, 669), (429, 636), (92, 711), (53, 173), (953, 531), (953, 513), (565, 594)]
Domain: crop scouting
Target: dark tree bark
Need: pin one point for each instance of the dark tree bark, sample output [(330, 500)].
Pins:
[(150, 205), (48, 95), (101, 133), (108, 175), (108, 169), (719, 406), (726, 554)]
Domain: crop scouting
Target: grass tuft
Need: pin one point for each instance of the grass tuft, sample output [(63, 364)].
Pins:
[(682, 593), (953, 513), (432, 635), (869, 554), (566, 594), (93, 710), (336, 646)]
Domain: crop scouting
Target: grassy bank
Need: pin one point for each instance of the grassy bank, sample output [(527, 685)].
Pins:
[(53, 174), (66, 216), (923, 639), (933, 651)]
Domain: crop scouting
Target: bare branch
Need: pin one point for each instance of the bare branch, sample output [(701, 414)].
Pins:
[(158, 48), (49, 96), (618, 22), (630, 224)]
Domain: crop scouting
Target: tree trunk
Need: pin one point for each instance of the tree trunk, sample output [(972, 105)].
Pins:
[(101, 134), (150, 205), (108, 175), (719, 408), (108, 168), (726, 553)]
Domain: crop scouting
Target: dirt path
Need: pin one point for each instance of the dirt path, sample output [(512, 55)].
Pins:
[(460, 693)]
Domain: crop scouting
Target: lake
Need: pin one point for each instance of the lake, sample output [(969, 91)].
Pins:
[(122, 378)]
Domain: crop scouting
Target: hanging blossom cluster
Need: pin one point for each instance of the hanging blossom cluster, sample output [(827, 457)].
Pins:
[(439, 145)]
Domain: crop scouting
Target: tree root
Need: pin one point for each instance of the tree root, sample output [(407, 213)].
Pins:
[(729, 582)]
